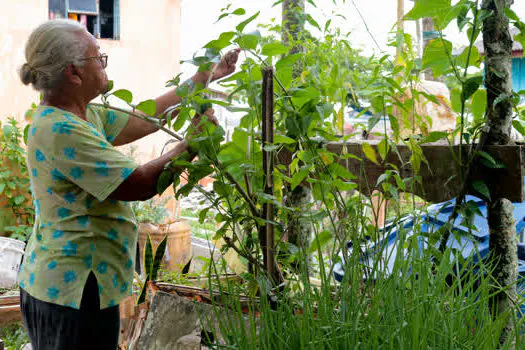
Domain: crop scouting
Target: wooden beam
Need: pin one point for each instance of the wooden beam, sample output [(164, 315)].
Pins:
[(10, 310), (440, 178)]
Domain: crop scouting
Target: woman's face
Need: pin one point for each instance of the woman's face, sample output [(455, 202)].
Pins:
[(93, 74)]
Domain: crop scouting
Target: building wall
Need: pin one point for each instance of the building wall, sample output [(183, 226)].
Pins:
[(145, 57), (18, 19)]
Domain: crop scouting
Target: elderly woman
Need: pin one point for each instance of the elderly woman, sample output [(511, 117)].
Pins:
[(79, 260)]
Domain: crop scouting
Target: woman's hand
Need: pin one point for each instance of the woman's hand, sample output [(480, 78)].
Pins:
[(226, 66)]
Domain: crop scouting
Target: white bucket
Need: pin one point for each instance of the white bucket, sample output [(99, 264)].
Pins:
[(11, 251)]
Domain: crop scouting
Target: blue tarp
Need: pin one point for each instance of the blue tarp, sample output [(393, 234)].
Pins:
[(474, 243)]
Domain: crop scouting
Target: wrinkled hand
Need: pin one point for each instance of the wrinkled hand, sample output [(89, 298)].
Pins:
[(199, 121), (226, 66)]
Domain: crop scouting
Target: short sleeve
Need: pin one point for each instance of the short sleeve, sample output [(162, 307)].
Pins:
[(87, 159), (112, 121)]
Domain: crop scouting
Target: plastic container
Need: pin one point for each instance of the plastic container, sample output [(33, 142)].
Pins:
[(11, 252), (178, 247)]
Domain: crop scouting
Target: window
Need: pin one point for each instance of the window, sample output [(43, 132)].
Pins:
[(100, 17)]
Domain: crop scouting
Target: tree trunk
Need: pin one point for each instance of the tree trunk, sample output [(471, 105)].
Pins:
[(498, 80), (299, 228), (293, 23)]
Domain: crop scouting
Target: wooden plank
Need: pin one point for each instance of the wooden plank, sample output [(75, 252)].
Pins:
[(440, 178), (10, 314)]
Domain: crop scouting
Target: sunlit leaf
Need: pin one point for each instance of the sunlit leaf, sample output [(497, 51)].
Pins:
[(383, 148), (274, 49), (436, 56), (240, 27), (369, 152), (149, 107), (124, 95)]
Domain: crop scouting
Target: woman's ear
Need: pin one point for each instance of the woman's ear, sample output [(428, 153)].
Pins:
[(73, 75)]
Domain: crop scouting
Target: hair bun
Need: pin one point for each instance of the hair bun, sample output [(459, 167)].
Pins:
[(27, 74)]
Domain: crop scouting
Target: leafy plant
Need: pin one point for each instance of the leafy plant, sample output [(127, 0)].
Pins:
[(152, 210), (151, 264), (14, 178), (14, 337)]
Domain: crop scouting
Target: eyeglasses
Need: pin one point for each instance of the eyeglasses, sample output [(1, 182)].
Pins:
[(102, 58)]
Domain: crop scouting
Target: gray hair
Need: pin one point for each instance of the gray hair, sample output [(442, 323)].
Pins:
[(50, 48)]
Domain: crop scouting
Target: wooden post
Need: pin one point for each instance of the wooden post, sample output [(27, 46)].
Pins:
[(268, 164), (497, 42), (428, 26), (400, 27)]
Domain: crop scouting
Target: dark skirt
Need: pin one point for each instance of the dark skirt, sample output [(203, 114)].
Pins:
[(55, 327)]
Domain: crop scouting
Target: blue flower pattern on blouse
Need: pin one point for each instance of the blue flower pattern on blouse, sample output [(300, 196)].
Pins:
[(39, 156), (76, 173), (70, 249), (102, 267), (69, 152), (83, 220), (101, 168), (111, 117), (69, 277), (70, 198), (126, 172), (69, 176), (62, 128), (53, 292), (63, 212), (56, 175)]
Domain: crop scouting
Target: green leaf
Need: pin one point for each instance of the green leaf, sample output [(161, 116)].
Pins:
[(383, 148), (515, 123), (19, 200), (148, 257), (474, 59), (186, 268), (479, 104), (159, 254), (2, 187), (223, 41), (248, 41), (124, 95), (455, 100), (240, 27), (239, 12), (164, 180), (320, 241), (302, 96), (26, 133), (8, 131), (287, 61), (142, 296), (274, 49), (110, 85), (149, 107), (434, 136), (278, 138), (338, 170), (471, 86), (428, 8), (435, 56), (299, 176), (481, 188), (369, 152), (312, 22)]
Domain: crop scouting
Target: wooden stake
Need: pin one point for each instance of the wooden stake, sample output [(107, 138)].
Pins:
[(267, 241)]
